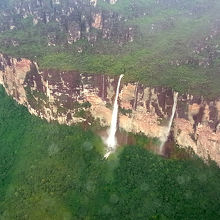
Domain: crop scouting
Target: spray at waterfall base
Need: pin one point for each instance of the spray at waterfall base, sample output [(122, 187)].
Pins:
[(111, 141)]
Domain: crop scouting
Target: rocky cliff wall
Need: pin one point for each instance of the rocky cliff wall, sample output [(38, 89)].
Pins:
[(68, 97), (78, 19), (12, 75)]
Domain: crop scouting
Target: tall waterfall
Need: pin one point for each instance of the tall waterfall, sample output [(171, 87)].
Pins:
[(111, 140), (164, 139)]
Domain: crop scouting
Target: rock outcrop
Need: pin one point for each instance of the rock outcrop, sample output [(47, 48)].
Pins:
[(12, 75), (78, 19), (68, 97)]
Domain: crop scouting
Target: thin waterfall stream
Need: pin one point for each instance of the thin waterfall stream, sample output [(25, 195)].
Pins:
[(111, 140), (164, 139)]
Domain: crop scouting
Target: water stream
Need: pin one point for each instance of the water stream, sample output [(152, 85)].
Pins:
[(111, 140), (164, 139)]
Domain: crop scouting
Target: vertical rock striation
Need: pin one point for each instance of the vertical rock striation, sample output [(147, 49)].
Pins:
[(78, 19), (68, 97)]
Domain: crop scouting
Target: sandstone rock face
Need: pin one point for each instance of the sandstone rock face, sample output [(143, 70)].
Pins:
[(77, 19), (97, 18), (12, 76), (67, 97)]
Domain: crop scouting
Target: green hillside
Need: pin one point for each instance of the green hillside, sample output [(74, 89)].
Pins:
[(51, 171)]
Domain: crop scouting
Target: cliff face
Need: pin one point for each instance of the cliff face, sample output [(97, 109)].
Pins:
[(79, 19), (12, 76), (69, 97)]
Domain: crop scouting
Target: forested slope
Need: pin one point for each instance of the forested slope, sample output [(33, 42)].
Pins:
[(49, 171)]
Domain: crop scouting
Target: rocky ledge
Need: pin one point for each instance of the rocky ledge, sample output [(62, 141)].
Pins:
[(68, 97)]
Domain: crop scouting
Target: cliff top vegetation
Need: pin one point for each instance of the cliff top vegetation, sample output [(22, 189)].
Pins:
[(172, 43)]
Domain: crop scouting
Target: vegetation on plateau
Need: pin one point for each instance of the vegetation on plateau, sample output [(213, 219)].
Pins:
[(51, 171), (166, 32)]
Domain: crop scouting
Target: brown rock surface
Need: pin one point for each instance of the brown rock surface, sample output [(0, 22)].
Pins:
[(63, 96)]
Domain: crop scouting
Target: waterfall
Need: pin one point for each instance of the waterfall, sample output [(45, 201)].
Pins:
[(164, 139), (111, 140)]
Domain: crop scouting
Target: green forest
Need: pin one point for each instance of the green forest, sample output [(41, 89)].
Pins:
[(165, 32), (52, 171)]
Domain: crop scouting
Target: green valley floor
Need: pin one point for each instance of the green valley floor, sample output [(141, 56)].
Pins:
[(51, 171)]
